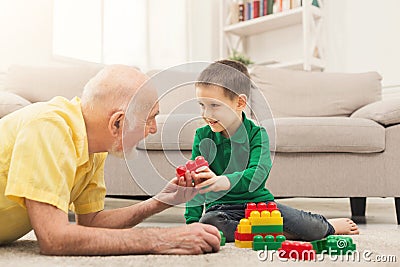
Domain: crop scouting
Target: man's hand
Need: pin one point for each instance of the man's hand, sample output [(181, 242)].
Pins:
[(194, 238), (207, 181), (178, 190)]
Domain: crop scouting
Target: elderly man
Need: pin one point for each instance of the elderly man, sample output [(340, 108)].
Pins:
[(52, 160)]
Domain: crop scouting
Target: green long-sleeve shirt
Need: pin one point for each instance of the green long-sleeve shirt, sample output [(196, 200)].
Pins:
[(244, 158)]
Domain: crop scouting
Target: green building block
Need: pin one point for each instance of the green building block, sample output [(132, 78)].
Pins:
[(334, 245), (223, 239), (268, 243), (261, 229)]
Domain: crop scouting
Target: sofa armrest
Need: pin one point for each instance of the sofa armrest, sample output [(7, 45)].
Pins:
[(385, 112), (10, 102)]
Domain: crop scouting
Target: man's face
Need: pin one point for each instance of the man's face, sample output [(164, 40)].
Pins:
[(135, 129)]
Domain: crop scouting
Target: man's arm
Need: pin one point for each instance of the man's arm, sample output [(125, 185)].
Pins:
[(177, 191), (57, 237), (126, 217)]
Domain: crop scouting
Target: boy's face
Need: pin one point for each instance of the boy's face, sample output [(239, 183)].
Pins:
[(220, 112)]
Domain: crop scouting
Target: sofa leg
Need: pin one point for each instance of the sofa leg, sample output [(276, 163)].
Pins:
[(357, 205), (397, 204)]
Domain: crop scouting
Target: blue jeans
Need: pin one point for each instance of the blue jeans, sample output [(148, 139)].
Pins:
[(297, 224)]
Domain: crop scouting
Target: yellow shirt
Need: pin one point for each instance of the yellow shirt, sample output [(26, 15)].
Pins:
[(44, 157)]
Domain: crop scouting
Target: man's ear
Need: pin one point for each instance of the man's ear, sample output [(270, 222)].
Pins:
[(242, 102), (115, 123)]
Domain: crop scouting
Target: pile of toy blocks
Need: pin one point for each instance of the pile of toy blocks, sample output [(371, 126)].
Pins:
[(262, 229), (262, 226)]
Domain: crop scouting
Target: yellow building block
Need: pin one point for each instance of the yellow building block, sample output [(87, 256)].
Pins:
[(243, 244), (244, 226), (266, 218), (276, 213), (273, 221)]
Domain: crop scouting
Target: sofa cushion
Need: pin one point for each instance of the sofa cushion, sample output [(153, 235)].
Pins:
[(334, 134), (43, 83), (10, 102), (385, 112), (312, 94), (174, 132)]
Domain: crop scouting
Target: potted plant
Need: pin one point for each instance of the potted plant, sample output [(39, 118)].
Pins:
[(236, 55)]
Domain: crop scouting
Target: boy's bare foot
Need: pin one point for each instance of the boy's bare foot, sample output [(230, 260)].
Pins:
[(344, 226)]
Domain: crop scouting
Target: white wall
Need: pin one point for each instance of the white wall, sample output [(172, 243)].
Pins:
[(25, 32), (204, 30), (360, 35), (364, 35)]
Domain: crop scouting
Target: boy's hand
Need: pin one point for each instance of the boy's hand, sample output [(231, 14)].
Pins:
[(212, 182), (203, 173)]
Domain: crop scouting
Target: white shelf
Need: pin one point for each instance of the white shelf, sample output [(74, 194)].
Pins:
[(316, 64), (270, 22)]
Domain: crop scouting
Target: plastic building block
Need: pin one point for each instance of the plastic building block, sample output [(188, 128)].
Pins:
[(261, 219), (297, 250), (192, 165), (180, 171), (244, 237), (256, 229), (271, 206), (223, 239), (275, 219), (244, 226), (243, 244), (334, 245), (266, 218), (268, 242), (250, 237), (249, 208), (196, 164), (260, 207)]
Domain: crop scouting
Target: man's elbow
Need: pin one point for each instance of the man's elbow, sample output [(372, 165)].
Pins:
[(52, 245)]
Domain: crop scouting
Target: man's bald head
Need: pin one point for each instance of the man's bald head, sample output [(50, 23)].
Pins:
[(105, 100), (112, 88)]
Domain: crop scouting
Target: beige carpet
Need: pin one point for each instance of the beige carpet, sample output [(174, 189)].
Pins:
[(380, 237)]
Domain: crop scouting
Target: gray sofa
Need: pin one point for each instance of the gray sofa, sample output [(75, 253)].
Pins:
[(332, 134)]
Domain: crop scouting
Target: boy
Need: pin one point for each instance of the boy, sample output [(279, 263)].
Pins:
[(239, 157)]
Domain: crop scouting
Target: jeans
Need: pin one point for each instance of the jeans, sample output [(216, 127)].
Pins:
[(297, 224)]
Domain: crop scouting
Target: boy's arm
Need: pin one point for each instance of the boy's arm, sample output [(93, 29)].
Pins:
[(258, 167)]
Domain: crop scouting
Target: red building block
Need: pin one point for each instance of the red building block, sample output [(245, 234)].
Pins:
[(271, 206), (244, 236), (261, 206), (249, 208), (180, 171), (250, 237), (192, 165), (297, 250)]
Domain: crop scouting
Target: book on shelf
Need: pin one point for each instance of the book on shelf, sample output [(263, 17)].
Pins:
[(256, 9), (242, 10), (249, 11)]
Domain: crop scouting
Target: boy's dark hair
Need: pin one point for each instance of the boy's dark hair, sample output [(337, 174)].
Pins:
[(231, 75)]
